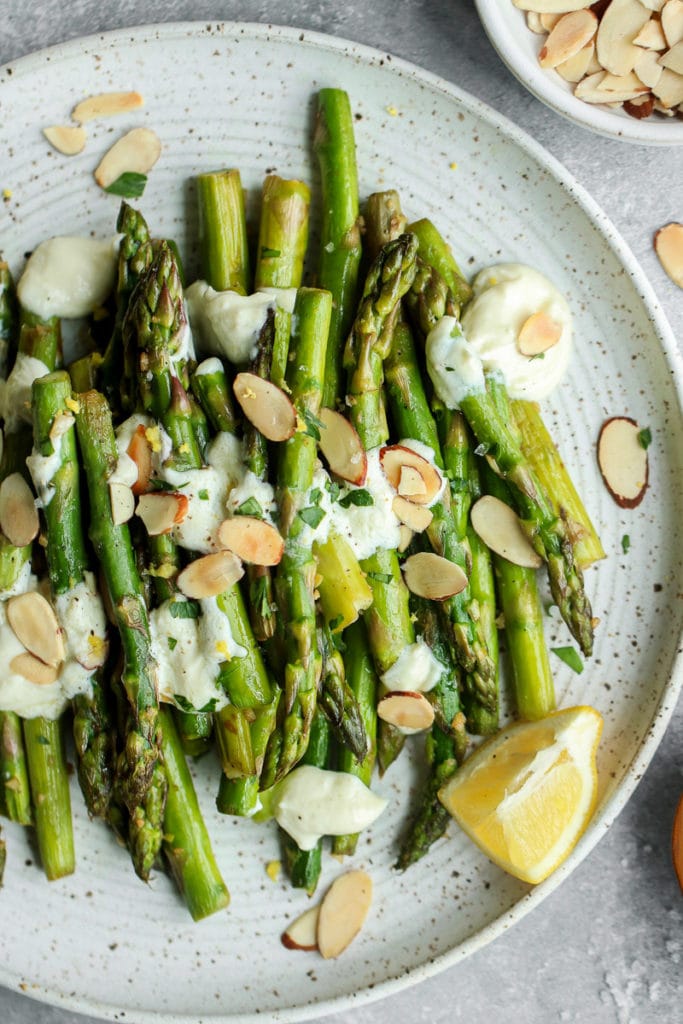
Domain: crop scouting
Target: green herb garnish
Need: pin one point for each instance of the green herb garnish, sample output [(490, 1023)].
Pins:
[(172, 643), (312, 515), (184, 610), (381, 577), (645, 438), (250, 507), (129, 185), (625, 543), (570, 656), (360, 497)]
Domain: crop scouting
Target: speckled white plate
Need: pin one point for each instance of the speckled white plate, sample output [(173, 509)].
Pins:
[(101, 942), (518, 48)]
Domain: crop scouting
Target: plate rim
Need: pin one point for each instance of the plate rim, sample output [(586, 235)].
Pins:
[(553, 94), (661, 713)]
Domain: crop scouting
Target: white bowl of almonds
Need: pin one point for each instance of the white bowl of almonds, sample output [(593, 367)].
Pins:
[(615, 66)]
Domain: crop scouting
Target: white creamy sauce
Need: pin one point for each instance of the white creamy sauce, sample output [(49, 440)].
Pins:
[(68, 276), (22, 583), (83, 621), (251, 486), (226, 323), (15, 392), (453, 364), (312, 802), (210, 365), (188, 654), (43, 469), (284, 298), (415, 669), (126, 470), (505, 296)]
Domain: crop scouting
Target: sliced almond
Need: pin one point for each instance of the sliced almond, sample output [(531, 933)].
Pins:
[(342, 447), (571, 33), (68, 139), (140, 451), (134, 153), (252, 540), (620, 83), (18, 514), (33, 669), (551, 6), (672, 21), (668, 244), (34, 623), (394, 458), (619, 25), (161, 512), (549, 21), (303, 933), (640, 107), (122, 503), (266, 406), (406, 534), (623, 461), (411, 483), (538, 333), (677, 842), (342, 912), (574, 69), (106, 104), (533, 22), (673, 59), (210, 575), (653, 5), (408, 710), (500, 529), (431, 576), (648, 69), (588, 91), (651, 36), (669, 89), (416, 517)]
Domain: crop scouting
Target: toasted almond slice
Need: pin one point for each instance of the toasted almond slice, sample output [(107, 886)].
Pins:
[(623, 461), (33, 669), (500, 529), (18, 514), (252, 540), (134, 153), (411, 483), (619, 25), (669, 89), (665, 111), (68, 139), (342, 912), (640, 107), (266, 406), (342, 447), (588, 91), (672, 21), (551, 6), (594, 64), (106, 104), (539, 332), (416, 517), (210, 575), (620, 83), (571, 33), (161, 512), (406, 534), (533, 22), (677, 841), (303, 933), (668, 244), (431, 576), (648, 69), (140, 451), (394, 458), (653, 5), (574, 69), (408, 710), (651, 36), (122, 503), (673, 58), (549, 21), (34, 623)]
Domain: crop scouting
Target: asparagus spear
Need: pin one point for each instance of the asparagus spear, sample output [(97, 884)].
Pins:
[(388, 623), (340, 240), (430, 300), (222, 231), (295, 580), (338, 700), (304, 866), (67, 564)]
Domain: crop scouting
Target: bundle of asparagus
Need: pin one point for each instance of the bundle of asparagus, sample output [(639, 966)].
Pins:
[(296, 578)]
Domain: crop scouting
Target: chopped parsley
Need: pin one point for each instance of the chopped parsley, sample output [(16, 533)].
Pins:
[(313, 424), (625, 543), (250, 507), (182, 702), (381, 577), (184, 610), (333, 489), (335, 623), (570, 656), (315, 496), (172, 643), (359, 497), (312, 515), (209, 707), (129, 185), (203, 495), (258, 596), (645, 438)]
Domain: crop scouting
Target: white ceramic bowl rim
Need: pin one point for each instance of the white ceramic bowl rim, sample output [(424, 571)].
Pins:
[(32, 63), (511, 45)]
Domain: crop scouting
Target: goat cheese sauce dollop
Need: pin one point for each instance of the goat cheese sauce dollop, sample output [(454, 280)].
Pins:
[(68, 276)]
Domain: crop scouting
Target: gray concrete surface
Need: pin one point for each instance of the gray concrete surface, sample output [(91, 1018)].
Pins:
[(606, 947)]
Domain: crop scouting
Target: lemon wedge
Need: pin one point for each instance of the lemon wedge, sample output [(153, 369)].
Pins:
[(527, 794)]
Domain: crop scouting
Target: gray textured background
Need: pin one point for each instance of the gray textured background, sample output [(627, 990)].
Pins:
[(607, 946)]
